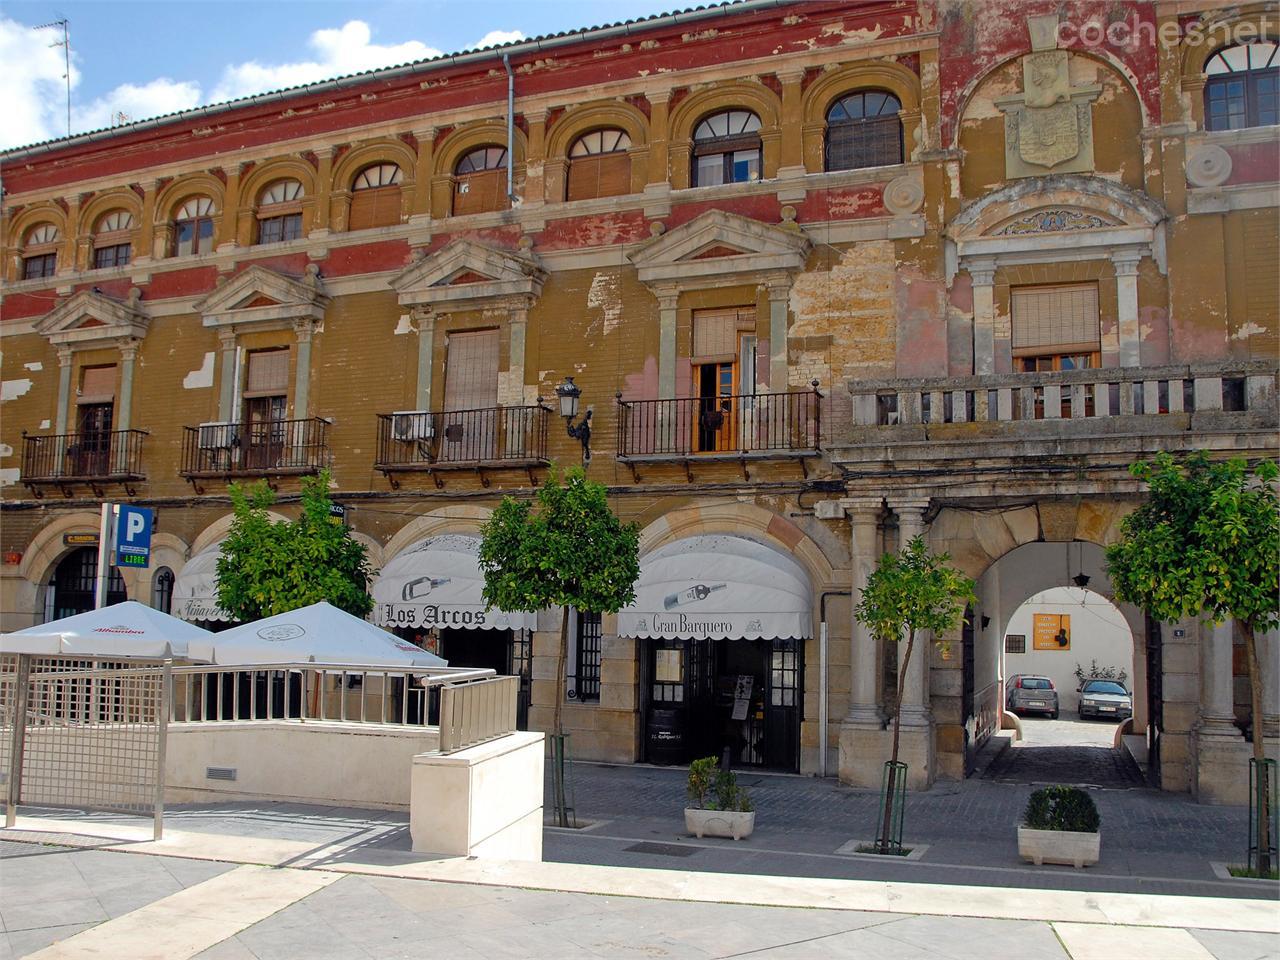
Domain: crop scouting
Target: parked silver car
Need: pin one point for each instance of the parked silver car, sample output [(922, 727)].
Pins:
[(1105, 698), (1031, 694)]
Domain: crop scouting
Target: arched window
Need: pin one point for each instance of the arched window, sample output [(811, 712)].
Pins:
[(40, 252), (599, 165), (111, 240), (726, 148), (74, 582), (280, 212), (193, 227), (1242, 87), (480, 181), (162, 590), (375, 197), (863, 130)]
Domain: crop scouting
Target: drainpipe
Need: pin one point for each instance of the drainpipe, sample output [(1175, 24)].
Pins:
[(823, 708), (511, 129)]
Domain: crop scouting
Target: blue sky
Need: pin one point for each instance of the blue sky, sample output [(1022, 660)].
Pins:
[(149, 58)]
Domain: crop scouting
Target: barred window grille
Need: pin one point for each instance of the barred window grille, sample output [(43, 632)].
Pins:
[(864, 130), (589, 643)]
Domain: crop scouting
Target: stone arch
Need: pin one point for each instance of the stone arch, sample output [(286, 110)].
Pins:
[(870, 75), (461, 518), (34, 215), (47, 549), (740, 95), (583, 119), (182, 189), (1104, 57), (269, 171), (217, 530), (369, 153), (468, 136), (664, 526), (1125, 206), (107, 202)]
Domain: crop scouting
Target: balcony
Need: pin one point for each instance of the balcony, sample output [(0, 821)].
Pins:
[(484, 439), (1023, 421), (254, 448), (93, 459), (741, 428)]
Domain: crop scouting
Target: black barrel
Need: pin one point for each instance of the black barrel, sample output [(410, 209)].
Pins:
[(665, 737)]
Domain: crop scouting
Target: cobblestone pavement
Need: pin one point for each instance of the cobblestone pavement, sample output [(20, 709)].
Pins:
[(1068, 750), (1152, 841)]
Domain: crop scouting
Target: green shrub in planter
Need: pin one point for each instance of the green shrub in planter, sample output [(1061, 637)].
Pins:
[(1062, 808), (702, 774), (711, 788)]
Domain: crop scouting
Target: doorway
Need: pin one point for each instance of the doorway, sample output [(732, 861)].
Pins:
[(504, 651), (734, 698), (74, 584)]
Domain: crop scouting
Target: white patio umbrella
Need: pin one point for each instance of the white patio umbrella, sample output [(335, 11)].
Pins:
[(127, 629), (320, 633)]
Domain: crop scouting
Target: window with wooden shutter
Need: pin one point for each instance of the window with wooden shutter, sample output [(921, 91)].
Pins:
[(599, 165), (375, 197), (715, 333), (471, 370), (268, 373), (97, 385), (480, 181), (1055, 319)]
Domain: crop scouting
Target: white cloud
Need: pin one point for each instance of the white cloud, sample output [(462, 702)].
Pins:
[(497, 37), (348, 49), (153, 99), (32, 87)]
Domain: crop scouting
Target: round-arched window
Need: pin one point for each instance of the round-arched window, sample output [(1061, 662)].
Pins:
[(112, 246), (280, 212), (375, 197), (726, 148), (1242, 87), (40, 251), (162, 590), (193, 227), (599, 165), (480, 181), (864, 130)]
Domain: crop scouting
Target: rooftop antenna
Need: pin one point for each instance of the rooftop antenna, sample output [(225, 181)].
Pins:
[(65, 44)]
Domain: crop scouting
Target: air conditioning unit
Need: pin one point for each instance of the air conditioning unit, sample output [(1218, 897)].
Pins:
[(219, 435), (411, 425)]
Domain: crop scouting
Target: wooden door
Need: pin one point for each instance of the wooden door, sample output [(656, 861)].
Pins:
[(93, 446), (470, 397)]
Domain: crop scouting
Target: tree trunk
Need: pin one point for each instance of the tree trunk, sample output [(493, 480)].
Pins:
[(562, 657), (1259, 749), (557, 727), (887, 813)]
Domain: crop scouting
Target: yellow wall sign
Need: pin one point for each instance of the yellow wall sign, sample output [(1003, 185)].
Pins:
[(1051, 631)]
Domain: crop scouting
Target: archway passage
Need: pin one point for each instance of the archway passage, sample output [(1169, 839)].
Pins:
[(1055, 657), (74, 583)]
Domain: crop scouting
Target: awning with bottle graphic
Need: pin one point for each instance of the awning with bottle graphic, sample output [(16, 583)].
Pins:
[(719, 587), (195, 590), (437, 583)]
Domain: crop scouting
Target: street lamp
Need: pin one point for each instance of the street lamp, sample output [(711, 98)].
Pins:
[(569, 394)]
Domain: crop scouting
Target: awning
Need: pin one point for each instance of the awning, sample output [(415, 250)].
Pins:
[(195, 591), (127, 629), (719, 587), (319, 633), (437, 583)]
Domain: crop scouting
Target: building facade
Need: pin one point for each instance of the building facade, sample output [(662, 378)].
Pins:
[(825, 275)]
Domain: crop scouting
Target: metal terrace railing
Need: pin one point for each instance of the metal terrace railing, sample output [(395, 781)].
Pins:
[(762, 424), (489, 436), (65, 458), (255, 448)]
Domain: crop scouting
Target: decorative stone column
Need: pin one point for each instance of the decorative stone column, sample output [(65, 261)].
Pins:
[(425, 319), (668, 302), (324, 192), (659, 133), (1222, 756), (791, 161), (982, 274), (915, 692), (147, 223), (864, 549), (65, 355), (779, 294), (1269, 664), (226, 238), (420, 204), (227, 384), (303, 330), (1126, 266), (124, 405), (535, 182)]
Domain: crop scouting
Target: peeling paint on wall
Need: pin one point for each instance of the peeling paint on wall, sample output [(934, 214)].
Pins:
[(202, 377), (13, 389), (45, 424), (5, 450), (35, 366), (10, 476), (606, 297), (853, 303), (405, 325)]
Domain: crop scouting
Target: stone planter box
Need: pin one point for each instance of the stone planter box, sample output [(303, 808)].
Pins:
[(1059, 846), (719, 823)]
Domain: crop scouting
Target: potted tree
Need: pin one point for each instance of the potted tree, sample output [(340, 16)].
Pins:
[(1060, 826), (720, 808)]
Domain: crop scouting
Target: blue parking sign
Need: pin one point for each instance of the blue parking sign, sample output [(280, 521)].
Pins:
[(133, 536)]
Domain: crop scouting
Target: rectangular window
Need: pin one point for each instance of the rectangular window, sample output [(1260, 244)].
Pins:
[(481, 192), (268, 373), (1055, 320), (193, 236), (374, 207), (1015, 643), (280, 229), (606, 175), (115, 255), (97, 385), (41, 265), (588, 656)]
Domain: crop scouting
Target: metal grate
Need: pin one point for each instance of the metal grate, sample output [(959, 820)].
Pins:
[(81, 734)]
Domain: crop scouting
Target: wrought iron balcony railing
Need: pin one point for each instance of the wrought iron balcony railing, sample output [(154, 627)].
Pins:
[(252, 448), (92, 458), (484, 438), (746, 426)]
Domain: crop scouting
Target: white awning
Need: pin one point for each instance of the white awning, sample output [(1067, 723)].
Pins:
[(320, 633), (127, 629), (719, 587), (195, 591), (437, 583)]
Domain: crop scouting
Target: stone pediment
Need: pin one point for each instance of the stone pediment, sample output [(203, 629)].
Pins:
[(259, 296), (464, 272), (93, 319), (720, 246)]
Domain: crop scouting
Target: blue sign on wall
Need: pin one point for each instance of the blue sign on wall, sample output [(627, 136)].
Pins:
[(133, 536)]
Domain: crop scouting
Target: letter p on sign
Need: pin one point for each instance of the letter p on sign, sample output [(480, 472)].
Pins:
[(133, 537)]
